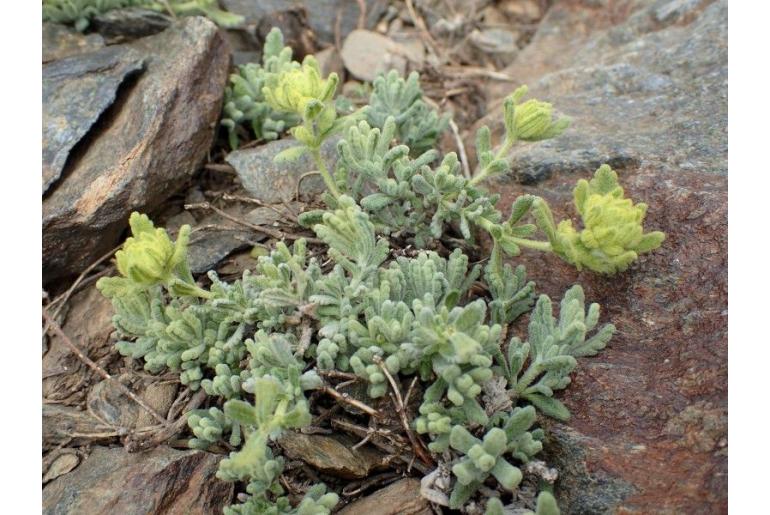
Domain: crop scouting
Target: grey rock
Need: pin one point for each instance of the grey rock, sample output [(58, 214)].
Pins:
[(367, 54), (130, 23), (153, 140), (60, 41), (76, 91), (274, 183), (162, 480), (321, 14), (580, 489), (649, 90)]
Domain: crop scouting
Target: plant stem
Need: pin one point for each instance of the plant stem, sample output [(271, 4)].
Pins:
[(328, 180), (500, 154), (533, 244)]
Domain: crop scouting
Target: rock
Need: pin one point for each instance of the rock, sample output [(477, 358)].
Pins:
[(130, 23), (367, 54), (273, 183), (162, 481), (525, 11), (321, 14), (93, 79), (61, 464), (89, 325), (649, 413), (113, 406), (63, 425), (330, 455), (60, 41), (400, 498), (497, 44), (152, 140), (643, 91), (214, 237), (329, 61), (647, 93)]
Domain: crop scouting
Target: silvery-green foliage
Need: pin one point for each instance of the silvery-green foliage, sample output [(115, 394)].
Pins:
[(80, 12), (481, 458), (245, 106), (315, 502), (546, 505), (542, 364), (418, 126)]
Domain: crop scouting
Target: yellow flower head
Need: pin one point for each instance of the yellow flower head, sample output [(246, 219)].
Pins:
[(299, 89), (149, 257), (532, 120), (613, 235)]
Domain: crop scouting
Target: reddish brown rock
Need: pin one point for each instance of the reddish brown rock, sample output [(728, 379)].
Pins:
[(646, 86), (649, 427), (400, 498), (161, 481)]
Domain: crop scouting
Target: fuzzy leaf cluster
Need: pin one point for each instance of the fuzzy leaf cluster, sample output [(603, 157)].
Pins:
[(418, 126), (245, 107), (612, 237), (536, 368)]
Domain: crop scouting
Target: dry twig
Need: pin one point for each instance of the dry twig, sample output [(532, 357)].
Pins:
[(398, 402), (281, 235), (96, 368)]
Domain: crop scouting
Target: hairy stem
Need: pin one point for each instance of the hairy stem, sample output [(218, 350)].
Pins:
[(328, 180)]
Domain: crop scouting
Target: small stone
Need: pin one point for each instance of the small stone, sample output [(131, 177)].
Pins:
[(273, 183), (367, 54), (330, 455), (62, 464), (400, 498), (162, 480), (329, 61)]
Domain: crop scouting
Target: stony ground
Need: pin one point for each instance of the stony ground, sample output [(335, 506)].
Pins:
[(130, 123)]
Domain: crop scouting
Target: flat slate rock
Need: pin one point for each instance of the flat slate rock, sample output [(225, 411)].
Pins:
[(274, 183), (160, 481), (76, 91), (156, 136)]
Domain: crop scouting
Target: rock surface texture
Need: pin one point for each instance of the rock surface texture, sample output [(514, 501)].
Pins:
[(273, 183), (324, 16), (161, 481), (646, 85), (152, 138), (399, 498)]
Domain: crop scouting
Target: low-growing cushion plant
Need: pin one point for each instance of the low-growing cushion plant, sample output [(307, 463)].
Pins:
[(392, 293)]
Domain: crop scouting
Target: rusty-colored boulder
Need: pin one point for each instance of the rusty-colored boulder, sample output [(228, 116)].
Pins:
[(400, 498)]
